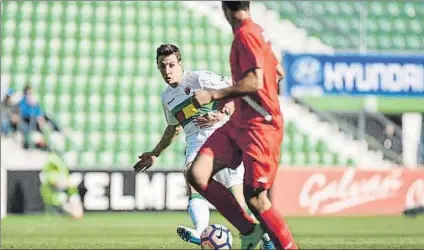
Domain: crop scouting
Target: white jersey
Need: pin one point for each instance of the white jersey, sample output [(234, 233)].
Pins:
[(178, 105), (179, 109)]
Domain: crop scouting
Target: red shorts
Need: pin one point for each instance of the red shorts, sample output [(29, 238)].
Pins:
[(258, 149)]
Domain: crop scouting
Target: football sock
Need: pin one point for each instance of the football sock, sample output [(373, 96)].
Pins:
[(250, 213), (199, 212), (277, 229), (227, 205), (246, 208), (265, 237)]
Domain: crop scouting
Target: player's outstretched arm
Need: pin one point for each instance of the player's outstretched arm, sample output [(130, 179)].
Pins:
[(148, 158), (169, 135), (250, 83)]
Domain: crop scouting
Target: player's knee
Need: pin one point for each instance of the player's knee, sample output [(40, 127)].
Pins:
[(260, 204), (193, 175), (257, 199), (200, 172)]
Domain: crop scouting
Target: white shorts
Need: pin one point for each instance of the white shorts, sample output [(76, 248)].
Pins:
[(227, 176), (230, 177)]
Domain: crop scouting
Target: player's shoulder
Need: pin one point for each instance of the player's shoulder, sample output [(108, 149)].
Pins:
[(190, 77), (200, 75), (196, 74), (207, 76), (189, 73), (250, 30)]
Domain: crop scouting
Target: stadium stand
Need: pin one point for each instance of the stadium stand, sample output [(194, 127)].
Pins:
[(92, 64), (389, 26)]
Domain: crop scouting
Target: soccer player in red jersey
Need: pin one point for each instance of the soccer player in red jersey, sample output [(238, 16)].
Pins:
[(247, 137)]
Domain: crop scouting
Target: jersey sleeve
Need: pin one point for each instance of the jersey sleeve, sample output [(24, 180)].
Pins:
[(58, 162), (169, 117), (209, 80), (251, 53), (55, 171)]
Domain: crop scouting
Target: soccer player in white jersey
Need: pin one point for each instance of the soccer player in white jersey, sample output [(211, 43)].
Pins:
[(198, 125)]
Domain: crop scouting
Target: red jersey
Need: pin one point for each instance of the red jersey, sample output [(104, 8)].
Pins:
[(250, 50)]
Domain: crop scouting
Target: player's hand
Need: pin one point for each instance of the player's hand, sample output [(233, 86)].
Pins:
[(228, 108), (202, 97), (208, 120), (146, 161)]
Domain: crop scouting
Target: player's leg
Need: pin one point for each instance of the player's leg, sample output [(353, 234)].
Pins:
[(271, 221), (233, 181), (198, 210), (74, 206), (261, 160), (47, 195), (199, 175)]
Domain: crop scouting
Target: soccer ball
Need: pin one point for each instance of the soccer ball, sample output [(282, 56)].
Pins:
[(216, 237)]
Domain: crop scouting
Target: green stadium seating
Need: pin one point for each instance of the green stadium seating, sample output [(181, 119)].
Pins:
[(388, 25), (93, 67)]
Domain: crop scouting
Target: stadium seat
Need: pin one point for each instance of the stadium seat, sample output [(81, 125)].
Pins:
[(93, 66), (389, 24)]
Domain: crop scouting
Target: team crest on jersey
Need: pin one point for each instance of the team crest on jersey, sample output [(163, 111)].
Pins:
[(187, 90)]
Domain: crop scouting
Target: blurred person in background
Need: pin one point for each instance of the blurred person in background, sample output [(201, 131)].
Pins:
[(58, 192), (9, 114), (33, 118), (390, 141)]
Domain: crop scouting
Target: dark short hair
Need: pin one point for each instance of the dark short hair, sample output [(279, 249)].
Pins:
[(166, 50), (26, 89), (237, 5)]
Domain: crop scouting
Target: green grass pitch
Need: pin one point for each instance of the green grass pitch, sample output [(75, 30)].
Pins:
[(158, 231)]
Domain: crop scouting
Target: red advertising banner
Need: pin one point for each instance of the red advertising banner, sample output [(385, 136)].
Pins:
[(347, 191)]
